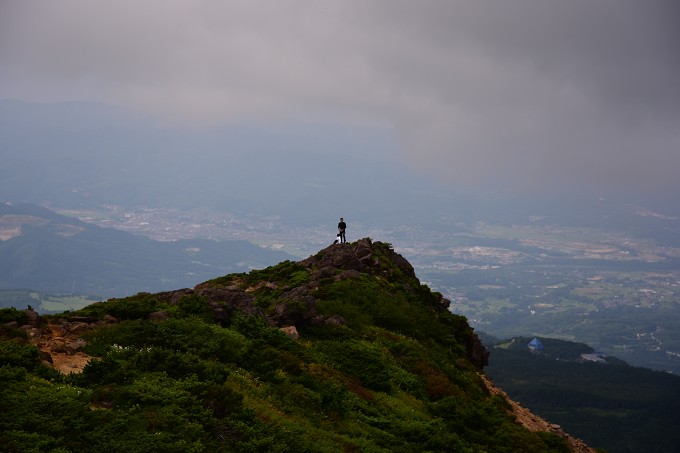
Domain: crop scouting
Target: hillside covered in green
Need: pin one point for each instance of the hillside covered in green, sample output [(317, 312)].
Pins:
[(343, 351), (605, 401)]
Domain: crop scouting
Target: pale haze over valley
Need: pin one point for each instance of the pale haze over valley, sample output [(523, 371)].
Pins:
[(477, 137)]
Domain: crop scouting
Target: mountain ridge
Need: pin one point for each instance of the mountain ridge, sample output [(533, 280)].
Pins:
[(345, 350)]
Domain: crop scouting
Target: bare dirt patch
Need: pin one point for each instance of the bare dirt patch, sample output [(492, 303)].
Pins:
[(60, 346)]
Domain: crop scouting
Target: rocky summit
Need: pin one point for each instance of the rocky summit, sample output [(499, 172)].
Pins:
[(343, 351)]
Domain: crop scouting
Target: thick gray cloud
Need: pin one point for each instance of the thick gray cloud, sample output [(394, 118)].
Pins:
[(526, 93)]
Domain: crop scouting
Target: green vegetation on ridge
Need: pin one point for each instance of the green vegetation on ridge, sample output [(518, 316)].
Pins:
[(378, 366)]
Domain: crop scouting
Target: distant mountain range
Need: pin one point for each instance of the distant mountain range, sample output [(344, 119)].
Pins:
[(45, 251)]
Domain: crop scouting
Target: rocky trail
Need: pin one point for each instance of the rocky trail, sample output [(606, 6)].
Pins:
[(60, 341), (60, 346)]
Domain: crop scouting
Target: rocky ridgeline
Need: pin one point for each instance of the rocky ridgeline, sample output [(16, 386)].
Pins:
[(294, 309), (338, 261)]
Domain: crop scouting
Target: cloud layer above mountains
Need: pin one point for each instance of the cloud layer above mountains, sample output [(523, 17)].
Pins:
[(527, 94)]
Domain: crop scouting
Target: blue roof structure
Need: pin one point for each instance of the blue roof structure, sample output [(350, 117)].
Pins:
[(536, 345)]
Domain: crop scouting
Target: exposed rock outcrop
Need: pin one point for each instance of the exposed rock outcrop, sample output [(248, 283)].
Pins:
[(477, 352), (61, 345), (346, 261), (533, 422), (359, 256), (226, 301)]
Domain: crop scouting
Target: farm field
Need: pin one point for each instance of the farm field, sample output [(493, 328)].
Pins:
[(43, 302), (621, 301)]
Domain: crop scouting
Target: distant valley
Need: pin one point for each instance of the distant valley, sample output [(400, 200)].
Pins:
[(617, 293), (43, 251)]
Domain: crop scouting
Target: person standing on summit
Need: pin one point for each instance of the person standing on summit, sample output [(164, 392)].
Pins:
[(341, 230)]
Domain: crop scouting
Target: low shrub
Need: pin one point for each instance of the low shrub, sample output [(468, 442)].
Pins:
[(359, 359), (12, 314), (135, 307), (16, 354)]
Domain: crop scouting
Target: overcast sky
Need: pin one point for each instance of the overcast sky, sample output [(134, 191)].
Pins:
[(529, 93)]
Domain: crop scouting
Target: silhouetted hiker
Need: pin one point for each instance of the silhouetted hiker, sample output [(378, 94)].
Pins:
[(341, 231)]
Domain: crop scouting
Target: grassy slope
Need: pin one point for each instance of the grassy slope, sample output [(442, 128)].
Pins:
[(395, 377)]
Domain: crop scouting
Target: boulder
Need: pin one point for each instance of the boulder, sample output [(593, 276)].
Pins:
[(477, 353), (444, 303), (262, 284), (79, 327), (225, 301), (335, 320), (297, 307), (108, 319), (34, 318), (46, 358), (74, 346), (291, 331), (173, 297), (32, 332), (360, 256), (345, 275), (338, 256), (82, 319), (58, 347), (159, 315)]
